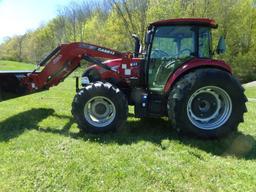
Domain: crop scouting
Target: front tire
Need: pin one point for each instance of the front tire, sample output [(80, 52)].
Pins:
[(100, 107), (208, 103)]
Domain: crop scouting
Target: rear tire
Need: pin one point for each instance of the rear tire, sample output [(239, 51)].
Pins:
[(207, 103), (99, 107)]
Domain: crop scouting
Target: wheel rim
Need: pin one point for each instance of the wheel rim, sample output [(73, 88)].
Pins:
[(209, 107), (99, 111)]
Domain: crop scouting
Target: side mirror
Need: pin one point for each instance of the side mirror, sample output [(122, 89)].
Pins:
[(137, 45), (221, 48)]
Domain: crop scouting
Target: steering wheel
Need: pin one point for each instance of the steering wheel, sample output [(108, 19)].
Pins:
[(158, 53), (184, 50), (167, 66)]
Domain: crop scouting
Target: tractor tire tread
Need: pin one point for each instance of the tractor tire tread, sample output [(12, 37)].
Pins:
[(181, 89), (91, 89)]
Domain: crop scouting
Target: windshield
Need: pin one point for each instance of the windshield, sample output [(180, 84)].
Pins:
[(173, 41)]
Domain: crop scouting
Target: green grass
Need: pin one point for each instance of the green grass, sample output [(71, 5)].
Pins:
[(251, 92), (12, 65), (42, 150)]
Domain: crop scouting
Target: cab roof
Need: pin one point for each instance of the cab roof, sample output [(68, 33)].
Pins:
[(187, 21)]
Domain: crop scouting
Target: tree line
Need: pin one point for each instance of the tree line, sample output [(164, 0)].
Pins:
[(111, 24)]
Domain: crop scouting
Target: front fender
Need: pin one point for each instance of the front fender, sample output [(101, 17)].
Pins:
[(95, 73)]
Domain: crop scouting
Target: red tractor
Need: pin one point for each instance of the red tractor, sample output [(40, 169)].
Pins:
[(175, 76)]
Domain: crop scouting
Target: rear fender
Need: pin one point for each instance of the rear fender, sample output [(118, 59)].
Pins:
[(193, 65)]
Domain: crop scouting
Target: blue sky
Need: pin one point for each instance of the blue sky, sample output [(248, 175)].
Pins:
[(19, 16)]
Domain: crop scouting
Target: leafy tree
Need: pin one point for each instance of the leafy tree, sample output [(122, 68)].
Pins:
[(111, 24)]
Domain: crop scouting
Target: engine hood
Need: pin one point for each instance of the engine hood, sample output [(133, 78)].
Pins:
[(117, 62)]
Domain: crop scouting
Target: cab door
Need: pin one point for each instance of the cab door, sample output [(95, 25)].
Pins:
[(171, 47)]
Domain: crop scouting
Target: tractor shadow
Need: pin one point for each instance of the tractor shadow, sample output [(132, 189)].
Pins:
[(17, 124), (150, 130)]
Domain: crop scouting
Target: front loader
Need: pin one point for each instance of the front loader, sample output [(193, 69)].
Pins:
[(175, 76)]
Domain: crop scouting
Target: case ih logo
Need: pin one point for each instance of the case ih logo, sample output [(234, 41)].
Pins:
[(106, 51)]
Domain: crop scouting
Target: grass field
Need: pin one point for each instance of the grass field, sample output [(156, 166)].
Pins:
[(12, 65), (42, 150), (251, 92)]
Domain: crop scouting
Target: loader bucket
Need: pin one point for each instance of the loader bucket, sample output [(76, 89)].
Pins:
[(10, 86)]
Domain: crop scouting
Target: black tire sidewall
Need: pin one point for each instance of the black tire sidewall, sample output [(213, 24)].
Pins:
[(113, 94), (219, 79)]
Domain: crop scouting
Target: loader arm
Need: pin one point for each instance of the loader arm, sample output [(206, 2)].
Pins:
[(62, 61)]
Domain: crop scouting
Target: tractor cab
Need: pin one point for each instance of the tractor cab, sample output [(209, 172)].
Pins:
[(172, 43)]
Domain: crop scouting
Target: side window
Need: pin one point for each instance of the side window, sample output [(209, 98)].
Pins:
[(204, 43)]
